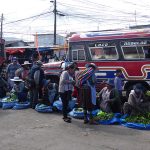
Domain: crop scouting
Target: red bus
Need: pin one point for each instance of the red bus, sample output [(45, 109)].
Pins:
[(128, 51)]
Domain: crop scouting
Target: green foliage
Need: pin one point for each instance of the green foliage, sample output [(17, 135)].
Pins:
[(144, 119), (78, 109), (103, 116), (147, 93), (12, 98)]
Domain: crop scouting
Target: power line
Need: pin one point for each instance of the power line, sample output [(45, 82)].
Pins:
[(24, 19)]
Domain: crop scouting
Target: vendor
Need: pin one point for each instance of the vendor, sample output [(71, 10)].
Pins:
[(19, 89), (109, 98), (49, 92), (137, 103)]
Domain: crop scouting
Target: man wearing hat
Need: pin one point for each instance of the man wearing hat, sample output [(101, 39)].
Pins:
[(137, 103), (23, 72), (109, 98), (10, 71)]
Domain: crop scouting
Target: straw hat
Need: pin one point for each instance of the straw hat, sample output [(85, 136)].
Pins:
[(26, 63), (16, 79)]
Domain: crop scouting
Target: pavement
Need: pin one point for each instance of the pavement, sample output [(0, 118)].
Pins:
[(30, 130)]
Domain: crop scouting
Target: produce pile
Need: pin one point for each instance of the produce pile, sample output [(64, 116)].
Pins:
[(147, 93), (78, 109), (11, 98), (143, 119), (103, 116)]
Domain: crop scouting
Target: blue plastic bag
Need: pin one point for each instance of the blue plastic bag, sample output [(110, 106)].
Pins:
[(8, 105), (43, 108), (80, 114), (22, 105), (58, 104), (77, 114)]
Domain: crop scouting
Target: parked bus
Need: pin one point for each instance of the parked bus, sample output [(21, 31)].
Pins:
[(128, 51)]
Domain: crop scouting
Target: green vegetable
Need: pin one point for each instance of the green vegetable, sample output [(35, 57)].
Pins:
[(12, 98), (103, 116), (79, 109), (148, 93), (143, 119)]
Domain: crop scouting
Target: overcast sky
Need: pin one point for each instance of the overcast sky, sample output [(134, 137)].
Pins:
[(78, 15)]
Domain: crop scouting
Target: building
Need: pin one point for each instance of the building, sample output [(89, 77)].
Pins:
[(45, 41), (48, 40)]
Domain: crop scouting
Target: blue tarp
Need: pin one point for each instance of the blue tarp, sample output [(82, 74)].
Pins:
[(139, 126), (114, 120)]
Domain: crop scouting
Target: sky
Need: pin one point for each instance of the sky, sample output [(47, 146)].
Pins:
[(22, 19)]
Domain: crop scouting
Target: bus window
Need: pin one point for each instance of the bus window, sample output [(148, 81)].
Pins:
[(110, 53), (74, 55), (133, 52), (141, 52), (81, 55), (78, 53), (146, 51), (107, 53)]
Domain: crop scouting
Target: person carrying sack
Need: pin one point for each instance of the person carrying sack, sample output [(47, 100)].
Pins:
[(86, 81)]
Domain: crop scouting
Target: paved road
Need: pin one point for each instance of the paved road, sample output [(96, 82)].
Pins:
[(29, 130)]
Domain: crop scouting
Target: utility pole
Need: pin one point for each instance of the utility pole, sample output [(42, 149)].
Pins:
[(1, 26), (55, 21), (1, 33), (135, 18)]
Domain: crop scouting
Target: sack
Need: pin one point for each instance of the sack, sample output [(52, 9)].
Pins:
[(83, 76)]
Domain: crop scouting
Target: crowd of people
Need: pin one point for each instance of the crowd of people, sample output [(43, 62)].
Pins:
[(28, 82)]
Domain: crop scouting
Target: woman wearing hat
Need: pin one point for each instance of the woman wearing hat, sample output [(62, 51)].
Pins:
[(85, 81), (137, 103), (19, 89), (109, 98)]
